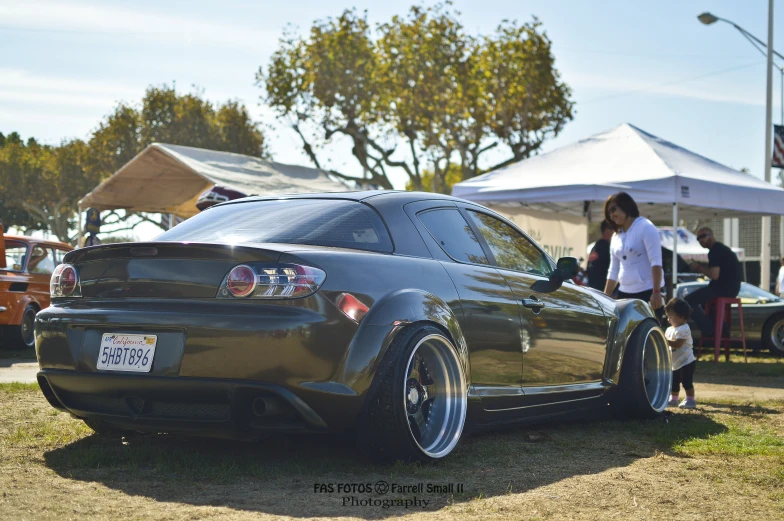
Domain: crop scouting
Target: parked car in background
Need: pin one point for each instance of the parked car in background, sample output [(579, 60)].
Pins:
[(24, 285), (763, 316), (406, 317)]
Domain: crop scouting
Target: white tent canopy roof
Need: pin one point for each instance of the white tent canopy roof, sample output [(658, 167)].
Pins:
[(169, 179), (689, 246), (578, 178)]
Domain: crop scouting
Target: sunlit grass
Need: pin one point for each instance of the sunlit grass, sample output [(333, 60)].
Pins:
[(738, 441), (16, 387)]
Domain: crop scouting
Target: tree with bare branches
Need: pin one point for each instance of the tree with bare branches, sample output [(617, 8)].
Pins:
[(418, 92)]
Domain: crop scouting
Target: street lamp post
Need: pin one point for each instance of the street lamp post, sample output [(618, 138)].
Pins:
[(707, 19)]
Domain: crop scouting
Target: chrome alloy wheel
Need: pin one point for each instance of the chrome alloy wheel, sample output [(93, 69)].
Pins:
[(657, 369), (435, 396), (777, 335)]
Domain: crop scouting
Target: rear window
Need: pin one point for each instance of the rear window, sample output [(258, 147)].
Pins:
[(319, 222)]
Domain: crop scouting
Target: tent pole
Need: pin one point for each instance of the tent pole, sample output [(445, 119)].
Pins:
[(674, 247), (781, 237), (79, 221)]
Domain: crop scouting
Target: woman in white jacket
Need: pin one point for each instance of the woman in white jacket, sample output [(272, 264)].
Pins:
[(635, 253)]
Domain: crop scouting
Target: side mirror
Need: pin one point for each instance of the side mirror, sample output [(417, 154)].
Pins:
[(567, 268)]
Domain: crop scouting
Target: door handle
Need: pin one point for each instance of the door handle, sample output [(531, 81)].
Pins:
[(533, 304)]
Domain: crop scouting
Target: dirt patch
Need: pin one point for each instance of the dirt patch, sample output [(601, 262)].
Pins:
[(759, 379), (742, 391), (723, 461)]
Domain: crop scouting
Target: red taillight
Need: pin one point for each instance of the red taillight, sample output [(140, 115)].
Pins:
[(303, 280), (64, 282), (67, 281), (271, 281), (351, 306), (241, 281)]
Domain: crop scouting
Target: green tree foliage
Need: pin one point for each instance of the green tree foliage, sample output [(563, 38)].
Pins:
[(452, 176), (41, 184), (168, 117), (418, 91)]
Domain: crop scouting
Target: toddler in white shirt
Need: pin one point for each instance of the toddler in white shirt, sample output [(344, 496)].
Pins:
[(679, 339)]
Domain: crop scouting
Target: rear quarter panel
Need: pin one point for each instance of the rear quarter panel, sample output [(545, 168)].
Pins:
[(399, 291)]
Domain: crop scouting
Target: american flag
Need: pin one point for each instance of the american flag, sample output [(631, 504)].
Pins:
[(778, 146)]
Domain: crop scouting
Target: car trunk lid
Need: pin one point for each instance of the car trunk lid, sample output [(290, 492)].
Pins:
[(162, 269)]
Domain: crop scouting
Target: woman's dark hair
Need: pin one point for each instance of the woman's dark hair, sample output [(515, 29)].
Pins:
[(623, 201), (678, 307)]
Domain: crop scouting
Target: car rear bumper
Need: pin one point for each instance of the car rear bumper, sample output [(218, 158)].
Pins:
[(198, 406)]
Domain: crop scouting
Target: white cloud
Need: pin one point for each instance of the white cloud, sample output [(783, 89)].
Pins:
[(21, 79), (705, 90), (144, 23), (20, 87)]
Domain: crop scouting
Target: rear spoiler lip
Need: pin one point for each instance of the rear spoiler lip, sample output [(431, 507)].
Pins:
[(123, 250), (246, 250)]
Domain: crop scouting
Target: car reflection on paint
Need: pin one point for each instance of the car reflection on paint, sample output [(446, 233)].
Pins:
[(407, 318)]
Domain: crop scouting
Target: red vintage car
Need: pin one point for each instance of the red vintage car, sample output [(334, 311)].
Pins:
[(24, 285)]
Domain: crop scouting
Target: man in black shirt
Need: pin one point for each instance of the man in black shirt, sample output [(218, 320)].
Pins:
[(723, 270), (599, 259)]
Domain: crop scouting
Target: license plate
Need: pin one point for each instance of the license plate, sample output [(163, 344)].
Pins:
[(126, 352)]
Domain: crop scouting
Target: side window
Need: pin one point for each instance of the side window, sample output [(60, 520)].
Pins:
[(511, 250), (15, 255), (41, 260), (454, 235)]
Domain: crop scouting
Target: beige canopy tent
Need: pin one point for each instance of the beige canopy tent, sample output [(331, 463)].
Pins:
[(168, 179)]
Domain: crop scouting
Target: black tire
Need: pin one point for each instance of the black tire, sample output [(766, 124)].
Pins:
[(417, 403), (773, 335), (646, 373), (23, 336), (105, 430)]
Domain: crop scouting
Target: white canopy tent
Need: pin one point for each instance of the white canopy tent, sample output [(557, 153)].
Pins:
[(665, 180), (169, 179), (688, 246)]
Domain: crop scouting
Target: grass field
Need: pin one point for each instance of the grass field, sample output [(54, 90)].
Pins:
[(723, 461)]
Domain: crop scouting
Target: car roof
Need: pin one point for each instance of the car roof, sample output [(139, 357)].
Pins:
[(403, 195), (33, 240)]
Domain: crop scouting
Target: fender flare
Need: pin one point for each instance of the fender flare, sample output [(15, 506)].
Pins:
[(629, 314), (386, 319), (26, 300)]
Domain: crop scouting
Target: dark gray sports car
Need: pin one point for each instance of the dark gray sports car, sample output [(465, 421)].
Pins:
[(763, 316), (405, 317)]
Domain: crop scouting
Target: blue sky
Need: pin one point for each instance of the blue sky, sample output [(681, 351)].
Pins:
[(66, 64)]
